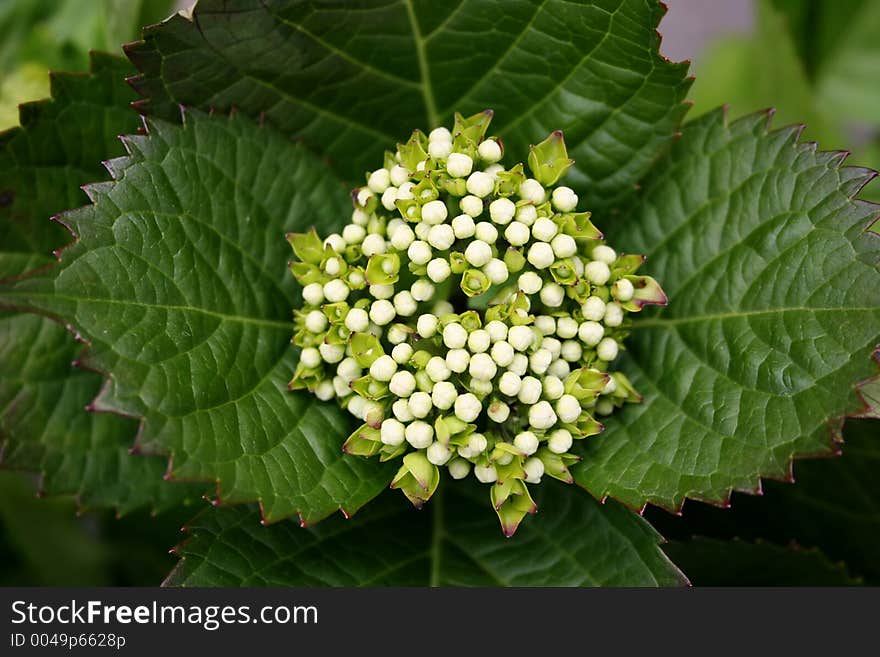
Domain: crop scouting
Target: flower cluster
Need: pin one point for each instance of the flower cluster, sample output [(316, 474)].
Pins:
[(468, 315)]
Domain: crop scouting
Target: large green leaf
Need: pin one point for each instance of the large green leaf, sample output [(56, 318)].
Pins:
[(178, 282), (833, 506), (573, 541), (774, 311), (712, 562), (43, 424), (354, 79)]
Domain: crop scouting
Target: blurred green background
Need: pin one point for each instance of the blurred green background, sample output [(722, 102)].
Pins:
[(815, 61)]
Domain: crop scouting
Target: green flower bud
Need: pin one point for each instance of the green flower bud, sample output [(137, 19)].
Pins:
[(549, 160)]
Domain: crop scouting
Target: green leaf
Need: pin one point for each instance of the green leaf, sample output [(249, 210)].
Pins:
[(178, 281), (573, 541), (43, 424), (712, 562), (353, 80), (832, 506), (774, 312)]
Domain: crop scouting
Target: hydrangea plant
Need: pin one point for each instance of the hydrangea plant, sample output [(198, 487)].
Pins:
[(466, 321)]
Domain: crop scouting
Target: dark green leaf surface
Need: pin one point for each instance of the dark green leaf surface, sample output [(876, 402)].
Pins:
[(712, 562), (833, 506), (354, 80), (774, 312), (454, 541), (43, 424), (178, 282)]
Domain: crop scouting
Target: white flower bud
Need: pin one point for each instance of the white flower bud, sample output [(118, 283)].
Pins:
[(519, 365), (517, 233), (379, 180), (426, 325), (459, 468), (382, 312), (564, 199), (389, 198), (623, 289), (391, 432), (559, 368), (454, 336), (613, 314), (604, 407), (493, 170), (335, 242), (459, 165), (349, 369), (471, 205), (560, 441), (544, 229), (341, 386), (402, 384), (373, 244), (552, 345), (359, 217), (486, 474), (545, 324), (604, 253), (441, 237), (440, 134), (527, 215), (405, 304), (497, 330), (607, 349), (578, 265), (530, 282), (383, 368), (335, 290), (457, 360), (571, 351), (332, 267), (439, 270), (324, 391), (478, 253), (443, 395), (402, 238), (541, 255), (478, 341), (502, 210), (398, 175), (316, 321), (382, 291), (438, 453), (467, 407), (357, 320), (498, 411), (480, 184), (566, 327), (564, 246), (482, 367), (489, 151), (520, 337), (502, 353), (423, 229), (610, 387), (401, 410), (405, 193), (542, 416), (597, 272), (593, 309), (530, 391), (534, 469), (540, 361), (420, 404), (422, 290), (419, 434), (419, 252), (439, 149), (437, 369), (497, 271), (313, 294), (526, 441), (554, 388), (434, 212), (401, 353), (354, 234), (463, 226), (552, 295), (331, 353), (310, 357), (486, 232), (591, 333), (568, 408), (356, 406), (532, 191), (510, 384)]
